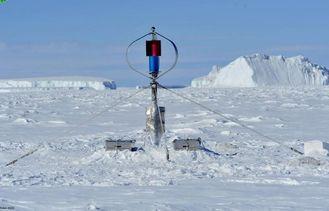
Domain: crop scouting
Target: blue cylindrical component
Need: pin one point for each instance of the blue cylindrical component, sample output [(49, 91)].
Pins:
[(154, 64)]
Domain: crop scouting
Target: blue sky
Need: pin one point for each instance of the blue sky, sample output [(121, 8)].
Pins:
[(80, 37)]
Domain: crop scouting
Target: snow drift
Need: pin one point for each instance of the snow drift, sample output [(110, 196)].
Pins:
[(59, 82), (262, 70)]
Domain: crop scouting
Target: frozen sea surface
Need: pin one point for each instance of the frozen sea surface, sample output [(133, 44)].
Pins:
[(72, 171)]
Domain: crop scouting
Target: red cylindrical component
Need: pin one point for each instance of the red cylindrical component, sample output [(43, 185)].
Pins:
[(153, 48)]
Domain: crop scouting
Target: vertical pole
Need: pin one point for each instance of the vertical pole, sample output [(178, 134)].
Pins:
[(155, 114), (154, 37)]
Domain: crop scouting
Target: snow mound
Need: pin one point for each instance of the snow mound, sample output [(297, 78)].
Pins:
[(263, 70), (59, 82)]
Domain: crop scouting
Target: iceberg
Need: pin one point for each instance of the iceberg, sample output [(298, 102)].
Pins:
[(60, 83), (263, 70)]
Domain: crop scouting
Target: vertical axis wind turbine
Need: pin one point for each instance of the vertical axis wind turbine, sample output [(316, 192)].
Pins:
[(155, 114)]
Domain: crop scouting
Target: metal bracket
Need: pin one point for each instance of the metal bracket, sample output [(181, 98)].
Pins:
[(119, 144), (187, 144)]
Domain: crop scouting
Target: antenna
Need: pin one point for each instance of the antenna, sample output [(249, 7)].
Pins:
[(155, 114)]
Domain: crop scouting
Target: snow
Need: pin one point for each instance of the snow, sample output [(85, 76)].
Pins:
[(58, 82), (72, 171), (202, 194), (263, 70)]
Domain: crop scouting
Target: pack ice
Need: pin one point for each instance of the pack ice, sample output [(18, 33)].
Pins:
[(263, 70), (59, 82), (72, 170)]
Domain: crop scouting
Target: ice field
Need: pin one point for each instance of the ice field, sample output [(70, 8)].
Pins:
[(72, 171)]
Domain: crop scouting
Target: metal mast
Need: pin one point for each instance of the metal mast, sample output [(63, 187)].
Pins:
[(154, 123)]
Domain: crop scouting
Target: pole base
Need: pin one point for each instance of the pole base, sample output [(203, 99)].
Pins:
[(155, 123)]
